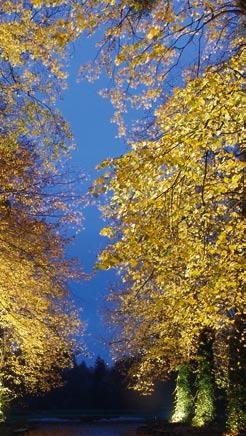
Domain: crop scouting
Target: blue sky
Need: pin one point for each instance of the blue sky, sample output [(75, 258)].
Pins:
[(89, 117), (96, 137)]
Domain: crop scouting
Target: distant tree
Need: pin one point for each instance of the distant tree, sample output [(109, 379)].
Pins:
[(100, 369), (81, 391), (99, 383)]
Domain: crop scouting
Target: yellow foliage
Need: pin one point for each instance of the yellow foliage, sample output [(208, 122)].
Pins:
[(145, 42), (176, 204), (38, 322)]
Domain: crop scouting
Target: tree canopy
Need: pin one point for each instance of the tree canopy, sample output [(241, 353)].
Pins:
[(38, 196), (176, 212), (149, 47), (176, 198), (38, 323)]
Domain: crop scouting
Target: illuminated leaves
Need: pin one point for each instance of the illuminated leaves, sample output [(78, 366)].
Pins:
[(147, 44), (38, 322), (38, 196), (176, 208)]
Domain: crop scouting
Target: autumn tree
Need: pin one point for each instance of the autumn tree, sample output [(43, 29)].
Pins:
[(176, 213), (149, 47), (34, 40), (38, 322), (176, 197)]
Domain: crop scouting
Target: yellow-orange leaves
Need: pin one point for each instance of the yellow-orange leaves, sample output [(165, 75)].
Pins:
[(176, 208)]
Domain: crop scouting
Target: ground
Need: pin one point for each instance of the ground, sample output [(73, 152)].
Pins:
[(166, 429)]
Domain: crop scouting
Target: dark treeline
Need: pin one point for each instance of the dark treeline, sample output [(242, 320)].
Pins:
[(101, 387)]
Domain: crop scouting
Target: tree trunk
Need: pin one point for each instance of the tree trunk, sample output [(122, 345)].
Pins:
[(183, 395), (236, 392), (205, 384)]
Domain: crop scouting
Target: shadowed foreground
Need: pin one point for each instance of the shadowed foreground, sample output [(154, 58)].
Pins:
[(114, 427)]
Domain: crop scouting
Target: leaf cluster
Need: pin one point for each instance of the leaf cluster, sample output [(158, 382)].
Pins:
[(176, 224), (38, 196)]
